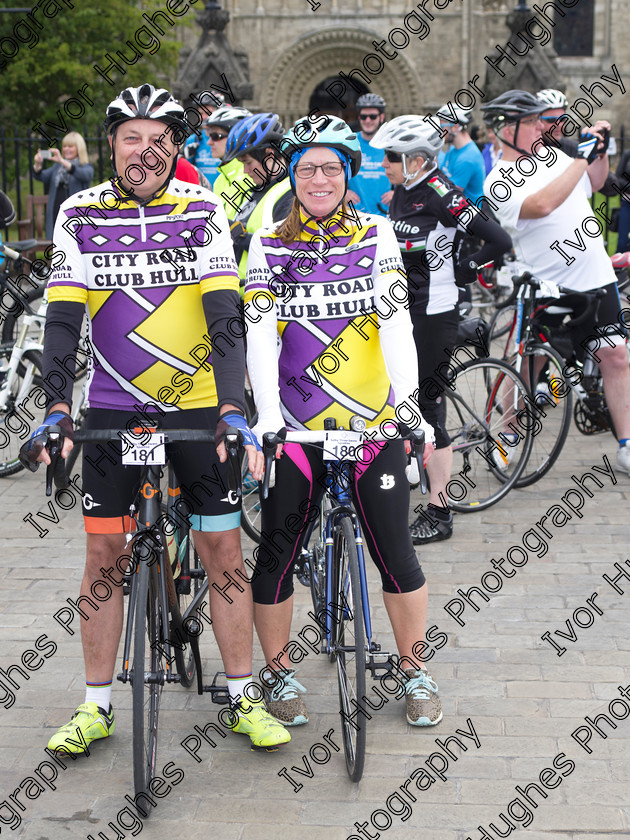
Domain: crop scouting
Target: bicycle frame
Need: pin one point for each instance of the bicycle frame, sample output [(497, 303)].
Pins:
[(338, 490)]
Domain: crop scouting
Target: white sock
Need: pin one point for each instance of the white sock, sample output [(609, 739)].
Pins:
[(99, 693), (237, 685)]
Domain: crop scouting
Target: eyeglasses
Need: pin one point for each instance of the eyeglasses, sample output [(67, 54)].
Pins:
[(307, 170), (531, 120), (393, 157), (549, 119), (369, 116), (216, 137)]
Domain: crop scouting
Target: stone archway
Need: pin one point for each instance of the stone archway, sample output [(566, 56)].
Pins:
[(312, 58)]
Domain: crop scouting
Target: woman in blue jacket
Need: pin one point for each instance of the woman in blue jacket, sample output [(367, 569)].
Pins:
[(69, 173)]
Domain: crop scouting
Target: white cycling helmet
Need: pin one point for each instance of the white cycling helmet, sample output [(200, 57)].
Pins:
[(409, 135), (453, 114), (227, 116), (145, 102), (552, 98)]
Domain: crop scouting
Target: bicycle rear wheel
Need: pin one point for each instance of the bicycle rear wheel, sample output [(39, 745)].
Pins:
[(349, 646), (147, 679), (487, 421), (551, 392), (19, 411)]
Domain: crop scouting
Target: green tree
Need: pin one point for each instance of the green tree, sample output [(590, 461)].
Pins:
[(59, 60)]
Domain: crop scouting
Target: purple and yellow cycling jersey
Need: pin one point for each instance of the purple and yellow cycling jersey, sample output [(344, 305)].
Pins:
[(329, 333), (141, 271)]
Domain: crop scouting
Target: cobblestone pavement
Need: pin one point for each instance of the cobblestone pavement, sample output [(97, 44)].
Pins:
[(497, 677)]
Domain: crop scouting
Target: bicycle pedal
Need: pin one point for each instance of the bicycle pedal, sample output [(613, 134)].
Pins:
[(381, 662)]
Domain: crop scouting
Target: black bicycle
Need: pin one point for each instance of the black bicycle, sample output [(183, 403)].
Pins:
[(166, 583)]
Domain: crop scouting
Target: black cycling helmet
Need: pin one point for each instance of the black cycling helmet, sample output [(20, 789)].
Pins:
[(371, 100), (148, 103), (510, 108), (7, 210), (253, 134)]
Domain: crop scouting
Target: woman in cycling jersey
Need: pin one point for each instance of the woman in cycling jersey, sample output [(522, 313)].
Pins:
[(431, 217), (326, 338)]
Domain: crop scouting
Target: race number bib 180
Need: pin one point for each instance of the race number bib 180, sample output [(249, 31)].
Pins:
[(342, 446), (148, 450)]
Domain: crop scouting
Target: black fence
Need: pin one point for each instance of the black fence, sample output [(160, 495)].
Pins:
[(16, 160)]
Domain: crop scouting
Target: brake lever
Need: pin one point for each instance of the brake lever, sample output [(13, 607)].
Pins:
[(233, 440), (271, 440), (417, 437), (54, 446)]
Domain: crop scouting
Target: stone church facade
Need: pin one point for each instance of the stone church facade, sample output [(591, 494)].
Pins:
[(324, 53)]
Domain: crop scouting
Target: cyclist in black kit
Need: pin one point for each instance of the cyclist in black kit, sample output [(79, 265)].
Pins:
[(431, 217)]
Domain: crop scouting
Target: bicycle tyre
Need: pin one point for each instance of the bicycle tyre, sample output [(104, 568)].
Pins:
[(76, 449), (179, 548), (251, 512), (10, 441), (550, 432), (146, 695), (483, 404), (349, 646), (501, 324), (10, 323), (250, 500)]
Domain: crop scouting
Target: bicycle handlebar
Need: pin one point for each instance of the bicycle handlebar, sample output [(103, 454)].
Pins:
[(318, 436), (593, 297), (56, 469)]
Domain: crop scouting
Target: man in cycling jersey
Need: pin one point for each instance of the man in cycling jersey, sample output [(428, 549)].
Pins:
[(231, 173), (155, 272), (369, 190), (547, 209)]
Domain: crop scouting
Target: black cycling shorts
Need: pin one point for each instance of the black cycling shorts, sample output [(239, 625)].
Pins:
[(435, 337), (608, 330), (109, 487), (380, 492)]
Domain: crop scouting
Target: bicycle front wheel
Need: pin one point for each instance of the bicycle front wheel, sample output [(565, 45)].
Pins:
[(147, 680), (20, 405), (551, 394), (349, 646), (488, 424)]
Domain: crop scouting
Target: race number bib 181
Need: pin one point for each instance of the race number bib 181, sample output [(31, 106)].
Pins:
[(342, 446), (148, 450)]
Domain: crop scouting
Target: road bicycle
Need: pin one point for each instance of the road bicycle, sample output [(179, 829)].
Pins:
[(22, 396), (20, 359), (166, 584), (335, 568), (537, 342)]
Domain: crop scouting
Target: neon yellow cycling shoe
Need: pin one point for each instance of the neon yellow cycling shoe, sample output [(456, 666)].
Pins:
[(88, 723), (254, 720)]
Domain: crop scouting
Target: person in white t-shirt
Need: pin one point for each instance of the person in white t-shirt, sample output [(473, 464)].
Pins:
[(540, 196)]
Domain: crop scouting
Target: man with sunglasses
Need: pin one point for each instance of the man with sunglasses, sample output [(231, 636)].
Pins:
[(545, 207), (369, 190), (231, 173)]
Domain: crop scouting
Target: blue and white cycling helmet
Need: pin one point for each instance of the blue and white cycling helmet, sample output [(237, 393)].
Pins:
[(333, 133), (253, 134)]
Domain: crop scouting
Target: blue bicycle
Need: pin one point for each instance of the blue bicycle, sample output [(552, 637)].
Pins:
[(334, 568)]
